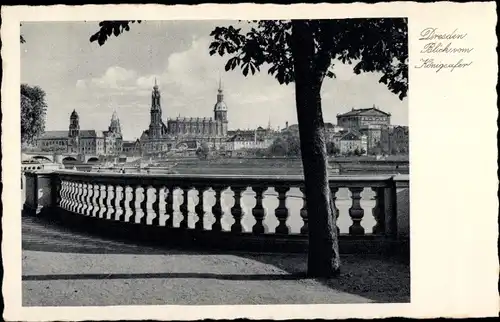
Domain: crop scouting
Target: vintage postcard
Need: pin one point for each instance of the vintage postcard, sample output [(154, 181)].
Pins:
[(249, 161)]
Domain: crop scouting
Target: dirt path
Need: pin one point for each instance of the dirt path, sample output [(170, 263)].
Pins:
[(62, 268)]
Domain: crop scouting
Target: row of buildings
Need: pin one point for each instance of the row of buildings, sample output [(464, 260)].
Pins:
[(368, 130), (85, 142)]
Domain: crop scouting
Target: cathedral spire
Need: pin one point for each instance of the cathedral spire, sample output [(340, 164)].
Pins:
[(220, 83), (220, 108), (220, 94)]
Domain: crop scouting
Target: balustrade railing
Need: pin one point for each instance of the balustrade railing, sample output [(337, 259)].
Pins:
[(242, 204), (262, 208)]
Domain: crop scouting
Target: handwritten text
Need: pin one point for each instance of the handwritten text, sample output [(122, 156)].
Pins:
[(437, 43)]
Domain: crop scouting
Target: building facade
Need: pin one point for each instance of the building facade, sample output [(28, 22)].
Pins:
[(375, 124), (259, 138), (399, 140), (83, 142), (132, 148), (161, 137), (363, 118), (353, 141)]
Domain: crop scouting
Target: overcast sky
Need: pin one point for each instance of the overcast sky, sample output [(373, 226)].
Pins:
[(95, 81)]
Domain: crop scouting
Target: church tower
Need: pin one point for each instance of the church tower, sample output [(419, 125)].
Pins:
[(114, 125), (155, 125), (74, 125), (220, 110), (74, 132)]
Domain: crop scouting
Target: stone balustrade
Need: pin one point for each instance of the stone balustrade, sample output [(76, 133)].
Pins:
[(263, 213)]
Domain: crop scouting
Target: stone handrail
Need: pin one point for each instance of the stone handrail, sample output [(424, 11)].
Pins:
[(147, 204)]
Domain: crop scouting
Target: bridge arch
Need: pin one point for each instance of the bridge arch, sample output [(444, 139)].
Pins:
[(40, 157), (92, 159), (69, 159)]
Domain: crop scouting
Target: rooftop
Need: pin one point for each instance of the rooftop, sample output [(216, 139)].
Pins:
[(364, 111)]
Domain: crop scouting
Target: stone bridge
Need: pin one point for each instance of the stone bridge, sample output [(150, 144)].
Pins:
[(58, 157)]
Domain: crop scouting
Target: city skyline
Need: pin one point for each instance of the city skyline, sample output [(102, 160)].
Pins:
[(96, 81)]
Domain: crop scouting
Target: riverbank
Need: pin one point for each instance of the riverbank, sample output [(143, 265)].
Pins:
[(252, 166)]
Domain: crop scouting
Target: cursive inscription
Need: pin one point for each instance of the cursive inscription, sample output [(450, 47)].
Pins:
[(449, 45), (434, 34), (430, 63)]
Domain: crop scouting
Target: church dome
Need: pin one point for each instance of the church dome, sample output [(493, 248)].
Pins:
[(220, 106), (74, 114)]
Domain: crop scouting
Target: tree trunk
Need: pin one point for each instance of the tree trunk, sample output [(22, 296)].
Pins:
[(323, 256)]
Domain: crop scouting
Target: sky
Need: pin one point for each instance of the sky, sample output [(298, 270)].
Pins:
[(119, 76)]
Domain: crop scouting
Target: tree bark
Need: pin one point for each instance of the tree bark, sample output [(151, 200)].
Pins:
[(323, 255)]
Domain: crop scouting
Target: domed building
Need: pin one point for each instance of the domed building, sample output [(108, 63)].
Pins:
[(162, 137)]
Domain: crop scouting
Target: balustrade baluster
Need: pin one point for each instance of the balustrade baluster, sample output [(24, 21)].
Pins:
[(110, 201), (144, 205), (156, 207), (184, 208), (334, 191), (102, 200), (169, 206), (199, 209), (217, 209), (356, 212), (304, 230), (378, 211), (70, 196), (122, 211), (95, 201), (67, 200), (74, 197), (74, 202), (90, 197), (81, 199), (259, 212), (132, 203), (281, 211), (64, 198), (236, 210)]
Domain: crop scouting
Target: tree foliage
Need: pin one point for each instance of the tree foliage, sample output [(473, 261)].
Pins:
[(285, 145), (332, 149), (33, 110), (108, 28), (371, 45), (203, 150)]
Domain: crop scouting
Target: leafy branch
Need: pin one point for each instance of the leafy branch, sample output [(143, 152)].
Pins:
[(108, 28)]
